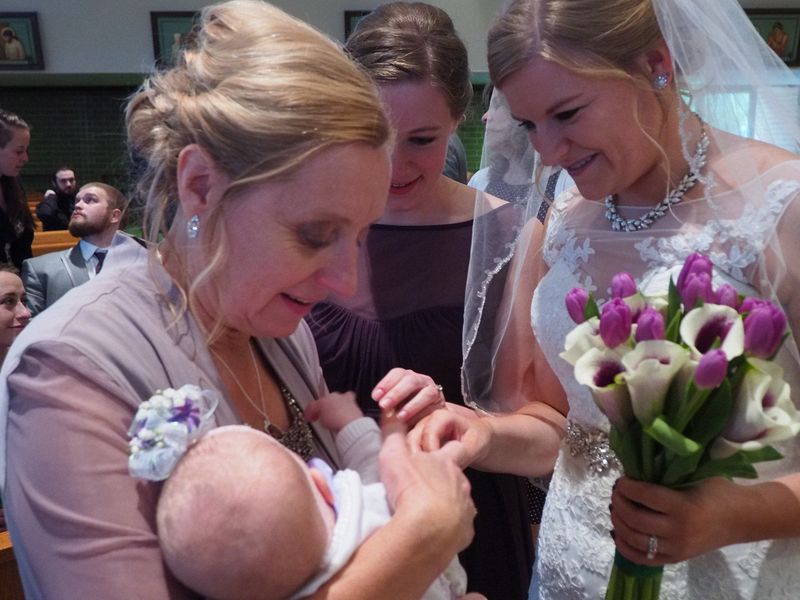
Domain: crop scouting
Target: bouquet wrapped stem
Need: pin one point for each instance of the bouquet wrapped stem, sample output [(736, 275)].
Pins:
[(629, 581), (689, 386)]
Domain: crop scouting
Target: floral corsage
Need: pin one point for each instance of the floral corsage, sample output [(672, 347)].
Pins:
[(164, 427)]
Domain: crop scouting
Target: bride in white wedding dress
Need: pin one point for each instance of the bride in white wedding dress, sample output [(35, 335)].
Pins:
[(659, 110)]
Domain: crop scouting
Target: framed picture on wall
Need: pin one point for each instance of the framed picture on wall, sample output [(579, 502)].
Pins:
[(351, 19), (171, 31), (20, 44), (780, 28)]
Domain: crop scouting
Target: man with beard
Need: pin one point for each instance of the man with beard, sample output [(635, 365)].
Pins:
[(55, 209), (99, 209)]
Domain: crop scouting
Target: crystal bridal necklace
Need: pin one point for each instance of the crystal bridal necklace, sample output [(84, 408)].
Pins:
[(696, 164)]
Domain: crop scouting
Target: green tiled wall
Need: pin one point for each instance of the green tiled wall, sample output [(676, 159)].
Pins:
[(82, 126), (77, 126)]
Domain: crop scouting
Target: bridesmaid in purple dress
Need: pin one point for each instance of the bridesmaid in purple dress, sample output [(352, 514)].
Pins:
[(408, 310)]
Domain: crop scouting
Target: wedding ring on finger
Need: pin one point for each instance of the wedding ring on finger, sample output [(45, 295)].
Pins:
[(652, 547), (440, 389)]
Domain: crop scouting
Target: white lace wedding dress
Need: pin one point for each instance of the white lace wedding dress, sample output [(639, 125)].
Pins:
[(575, 549)]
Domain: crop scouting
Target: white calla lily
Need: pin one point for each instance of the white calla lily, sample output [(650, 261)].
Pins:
[(581, 339), (636, 302), (649, 370), (600, 369), (659, 302), (763, 412), (703, 325)]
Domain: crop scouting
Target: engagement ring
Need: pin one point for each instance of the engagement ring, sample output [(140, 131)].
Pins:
[(652, 547)]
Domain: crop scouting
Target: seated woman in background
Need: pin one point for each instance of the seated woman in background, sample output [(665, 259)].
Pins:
[(14, 316), (408, 309), (14, 313), (267, 159), (16, 222)]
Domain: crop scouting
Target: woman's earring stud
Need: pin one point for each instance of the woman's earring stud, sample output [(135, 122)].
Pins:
[(193, 227), (661, 81)]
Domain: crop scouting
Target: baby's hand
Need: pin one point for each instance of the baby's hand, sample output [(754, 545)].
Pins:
[(334, 411)]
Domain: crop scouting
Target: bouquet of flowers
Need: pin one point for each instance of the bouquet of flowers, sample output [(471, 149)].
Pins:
[(688, 383)]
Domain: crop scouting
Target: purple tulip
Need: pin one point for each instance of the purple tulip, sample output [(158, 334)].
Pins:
[(576, 301), (763, 330), (623, 285), (650, 325), (695, 263), (727, 296), (615, 322), (749, 303), (711, 369), (696, 286)]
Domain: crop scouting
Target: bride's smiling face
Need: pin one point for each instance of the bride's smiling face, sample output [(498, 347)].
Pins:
[(587, 125)]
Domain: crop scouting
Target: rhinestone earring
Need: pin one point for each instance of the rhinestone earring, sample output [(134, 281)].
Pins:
[(193, 227), (661, 81)]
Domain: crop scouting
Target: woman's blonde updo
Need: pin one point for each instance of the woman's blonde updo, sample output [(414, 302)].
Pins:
[(260, 91), (599, 38), (411, 41)]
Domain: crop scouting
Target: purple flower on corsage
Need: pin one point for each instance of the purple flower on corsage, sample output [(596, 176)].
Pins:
[(164, 426)]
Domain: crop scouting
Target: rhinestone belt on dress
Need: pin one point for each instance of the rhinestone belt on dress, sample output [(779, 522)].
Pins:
[(592, 445)]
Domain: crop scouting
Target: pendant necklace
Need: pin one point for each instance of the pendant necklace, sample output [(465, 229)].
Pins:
[(298, 437), (696, 164)]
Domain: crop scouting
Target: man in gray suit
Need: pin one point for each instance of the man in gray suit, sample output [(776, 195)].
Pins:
[(99, 209)]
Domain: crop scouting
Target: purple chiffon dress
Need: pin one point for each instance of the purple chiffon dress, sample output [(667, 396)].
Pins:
[(408, 312)]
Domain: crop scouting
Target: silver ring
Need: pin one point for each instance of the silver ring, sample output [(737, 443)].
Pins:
[(652, 547)]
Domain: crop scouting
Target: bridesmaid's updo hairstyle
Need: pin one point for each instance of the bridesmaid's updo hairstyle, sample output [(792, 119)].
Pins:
[(414, 41), (604, 45), (261, 92)]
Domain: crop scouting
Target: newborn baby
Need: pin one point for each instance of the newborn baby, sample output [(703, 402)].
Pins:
[(243, 517)]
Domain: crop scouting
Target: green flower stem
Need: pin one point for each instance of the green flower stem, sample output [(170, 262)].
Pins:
[(648, 452), (696, 400)]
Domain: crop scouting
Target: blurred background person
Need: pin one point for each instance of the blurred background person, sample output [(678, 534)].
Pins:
[(14, 314), (508, 161), (16, 222), (58, 201), (99, 211), (407, 312), (455, 163)]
